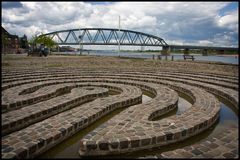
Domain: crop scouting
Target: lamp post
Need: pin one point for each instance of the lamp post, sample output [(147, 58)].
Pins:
[(58, 45), (35, 43), (119, 36), (80, 44), (119, 26), (80, 40)]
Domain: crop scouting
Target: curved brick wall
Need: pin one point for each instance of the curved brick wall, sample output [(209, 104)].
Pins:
[(42, 108)]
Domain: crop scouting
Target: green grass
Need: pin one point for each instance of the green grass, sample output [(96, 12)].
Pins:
[(5, 64), (53, 65), (132, 58), (13, 57)]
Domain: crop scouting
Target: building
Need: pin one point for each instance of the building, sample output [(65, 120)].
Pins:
[(23, 42), (67, 49), (12, 43)]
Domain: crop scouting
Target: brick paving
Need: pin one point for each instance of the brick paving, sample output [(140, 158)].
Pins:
[(223, 145), (17, 119), (132, 134), (42, 108)]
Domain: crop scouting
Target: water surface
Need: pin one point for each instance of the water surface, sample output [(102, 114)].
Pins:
[(198, 57), (69, 147)]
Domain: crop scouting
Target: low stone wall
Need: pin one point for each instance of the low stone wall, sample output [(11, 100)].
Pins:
[(223, 145), (133, 137), (56, 108), (41, 136), (21, 118)]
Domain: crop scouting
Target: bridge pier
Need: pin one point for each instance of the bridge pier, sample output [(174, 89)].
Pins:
[(165, 50), (220, 51), (204, 52), (186, 51)]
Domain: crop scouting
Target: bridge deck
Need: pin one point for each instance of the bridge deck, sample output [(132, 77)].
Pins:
[(201, 47)]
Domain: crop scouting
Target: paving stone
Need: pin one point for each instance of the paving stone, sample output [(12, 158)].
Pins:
[(41, 143), (103, 145), (212, 145), (134, 122), (8, 149), (32, 147), (123, 143), (114, 144), (10, 156), (229, 155), (196, 152), (21, 153), (145, 141)]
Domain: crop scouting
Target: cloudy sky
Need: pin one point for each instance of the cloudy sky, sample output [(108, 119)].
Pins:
[(194, 23)]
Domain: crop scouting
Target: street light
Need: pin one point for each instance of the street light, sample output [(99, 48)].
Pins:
[(80, 44), (58, 45), (119, 22), (80, 40), (34, 43), (119, 36)]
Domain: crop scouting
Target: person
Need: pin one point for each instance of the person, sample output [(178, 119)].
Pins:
[(29, 50), (18, 51), (41, 50), (45, 52)]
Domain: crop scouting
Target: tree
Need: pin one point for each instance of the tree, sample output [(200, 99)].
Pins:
[(33, 42), (47, 41), (23, 42), (4, 43)]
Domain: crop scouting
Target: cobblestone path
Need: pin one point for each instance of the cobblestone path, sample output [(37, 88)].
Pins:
[(42, 108)]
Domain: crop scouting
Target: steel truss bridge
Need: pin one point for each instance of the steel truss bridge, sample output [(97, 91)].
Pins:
[(104, 36), (202, 47), (110, 36)]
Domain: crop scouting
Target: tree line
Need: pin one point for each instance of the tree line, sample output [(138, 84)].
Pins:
[(45, 40)]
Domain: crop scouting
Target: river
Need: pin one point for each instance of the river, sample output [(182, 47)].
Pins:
[(198, 57)]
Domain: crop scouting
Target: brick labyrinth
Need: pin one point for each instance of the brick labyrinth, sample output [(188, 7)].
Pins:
[(42, 108)]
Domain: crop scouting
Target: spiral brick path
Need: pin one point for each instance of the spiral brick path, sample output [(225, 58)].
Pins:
[(41, 108)]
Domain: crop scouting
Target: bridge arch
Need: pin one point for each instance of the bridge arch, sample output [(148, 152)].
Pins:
[(104, 36)]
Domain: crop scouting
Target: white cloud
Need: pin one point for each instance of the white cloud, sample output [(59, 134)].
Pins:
[(229, 21), (179, 22), (225, 39), (177, 42), (205, 43)]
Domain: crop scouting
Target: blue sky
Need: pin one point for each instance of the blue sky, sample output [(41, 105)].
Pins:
[(230, 7), (192, 23)]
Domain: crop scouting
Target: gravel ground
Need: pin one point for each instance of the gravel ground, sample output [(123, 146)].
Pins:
[(54, 61)]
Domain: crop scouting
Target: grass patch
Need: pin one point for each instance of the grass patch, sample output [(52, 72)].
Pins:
[(53, 65), (5, 64), (132, 58), (14, 57)]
